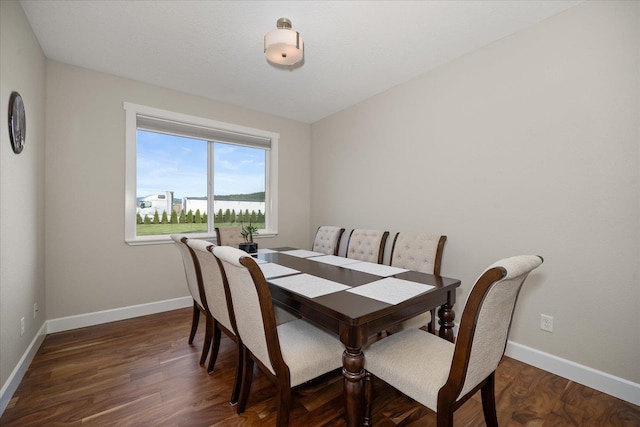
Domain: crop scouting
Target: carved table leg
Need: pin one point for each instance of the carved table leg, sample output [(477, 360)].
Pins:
[(447, 316), (353, 372), (366, 418)]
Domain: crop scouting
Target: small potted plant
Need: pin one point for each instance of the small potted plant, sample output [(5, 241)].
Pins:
[(247, 234)]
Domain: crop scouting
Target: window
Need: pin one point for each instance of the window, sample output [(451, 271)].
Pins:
[(187, 174)]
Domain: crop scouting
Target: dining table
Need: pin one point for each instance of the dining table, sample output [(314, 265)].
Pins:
[(356, 301)]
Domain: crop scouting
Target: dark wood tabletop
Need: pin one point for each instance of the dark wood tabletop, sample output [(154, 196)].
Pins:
[(355, 318)]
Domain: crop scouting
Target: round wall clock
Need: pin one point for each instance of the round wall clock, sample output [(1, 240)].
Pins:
[(17, 122)]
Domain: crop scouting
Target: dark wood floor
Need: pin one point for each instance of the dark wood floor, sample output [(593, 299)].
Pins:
[(142, 372)]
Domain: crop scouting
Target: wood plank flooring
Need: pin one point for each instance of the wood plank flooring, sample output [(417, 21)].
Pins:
[(142, 372)]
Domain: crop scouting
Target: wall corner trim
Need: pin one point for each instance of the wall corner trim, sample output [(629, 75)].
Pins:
[(601, 381), (12, 383)]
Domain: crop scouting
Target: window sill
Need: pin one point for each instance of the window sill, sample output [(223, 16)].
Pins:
[(166, 238)]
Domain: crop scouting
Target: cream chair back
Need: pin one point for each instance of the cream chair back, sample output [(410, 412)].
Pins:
[(212, 282), (189, 268), (327, 240), (418, 251), (367, 245), (248, 306), (493, 319), (229, 236)]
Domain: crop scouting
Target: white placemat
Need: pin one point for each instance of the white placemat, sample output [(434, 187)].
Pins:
[(308, 285), (391, 290), (377, 269), (266, 251), (302, 253), (270, 269), (334, 260)]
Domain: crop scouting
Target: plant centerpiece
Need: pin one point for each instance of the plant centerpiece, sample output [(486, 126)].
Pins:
[(247, 234)]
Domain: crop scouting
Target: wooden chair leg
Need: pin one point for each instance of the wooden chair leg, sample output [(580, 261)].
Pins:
[(235, 394), (284, 406), (247, 377), (194, 322), (215, 346), (489, 401), (208, 334), (444, 416)]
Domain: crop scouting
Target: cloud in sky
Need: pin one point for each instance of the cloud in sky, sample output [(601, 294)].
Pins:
[(173, 163)]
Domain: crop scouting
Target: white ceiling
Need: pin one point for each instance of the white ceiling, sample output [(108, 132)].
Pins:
[(214, 49)]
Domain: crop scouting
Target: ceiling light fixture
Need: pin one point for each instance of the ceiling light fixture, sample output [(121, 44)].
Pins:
[(283, 46)]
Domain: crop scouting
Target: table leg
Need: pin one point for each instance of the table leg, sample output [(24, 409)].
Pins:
[(447, 317), (353, 372)]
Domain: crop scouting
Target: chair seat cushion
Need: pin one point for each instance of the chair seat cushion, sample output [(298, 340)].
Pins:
[(308, 351), (283, 316), (398, 361), (415, 322)]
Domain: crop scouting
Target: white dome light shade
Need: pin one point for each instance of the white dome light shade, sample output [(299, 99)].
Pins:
[(283, 46)]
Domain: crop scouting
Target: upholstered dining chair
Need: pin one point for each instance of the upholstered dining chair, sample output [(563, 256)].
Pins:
[(193, 284), (229, 236), (442, 375), (420, 252), (289, 354), (214, 299), (327, 240), (367, 245)]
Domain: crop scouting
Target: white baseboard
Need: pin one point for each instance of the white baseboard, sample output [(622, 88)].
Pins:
[(601, 381), (12, 383), (106, 316)]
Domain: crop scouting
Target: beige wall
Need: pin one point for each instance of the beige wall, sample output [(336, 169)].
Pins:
[(89, 266), (22, 69), (527, 146)]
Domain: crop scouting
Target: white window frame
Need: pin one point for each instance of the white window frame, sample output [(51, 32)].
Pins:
[(230, 133)]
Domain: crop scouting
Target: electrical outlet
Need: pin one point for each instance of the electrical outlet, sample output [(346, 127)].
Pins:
[(21, 326), (546, 323), (35, 309)]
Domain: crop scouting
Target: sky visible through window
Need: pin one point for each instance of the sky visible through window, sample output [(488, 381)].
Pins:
[(178, 164)]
